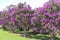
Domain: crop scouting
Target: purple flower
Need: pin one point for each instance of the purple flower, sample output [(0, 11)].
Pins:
[(34, 18), (41, 9), (54, 1), (2, 22), (40, 31), (47, 30), (43, 20), (54, 14), (25, 8), (12, 19), (51, 20), (35, 14), (53, 28), (46, 25), (58, 19), (46, 5), (45, 13)]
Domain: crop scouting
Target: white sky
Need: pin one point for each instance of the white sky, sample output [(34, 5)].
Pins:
[(32, 3)]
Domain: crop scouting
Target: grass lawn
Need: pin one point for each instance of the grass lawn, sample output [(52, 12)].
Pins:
[(4, 35)]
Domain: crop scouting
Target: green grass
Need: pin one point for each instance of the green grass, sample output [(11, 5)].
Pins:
[(6, 35)]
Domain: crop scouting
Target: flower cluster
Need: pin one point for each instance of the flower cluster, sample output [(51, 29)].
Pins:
[(22, 16)]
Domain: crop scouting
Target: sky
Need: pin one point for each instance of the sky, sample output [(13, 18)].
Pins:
[(32, 3)]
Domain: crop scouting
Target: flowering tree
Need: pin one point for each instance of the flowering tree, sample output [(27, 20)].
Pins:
[(42, 18)]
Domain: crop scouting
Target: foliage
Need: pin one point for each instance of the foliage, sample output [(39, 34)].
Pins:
[(45, 18)]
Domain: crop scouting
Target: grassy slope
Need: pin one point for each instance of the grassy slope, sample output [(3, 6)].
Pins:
[(4, 35)]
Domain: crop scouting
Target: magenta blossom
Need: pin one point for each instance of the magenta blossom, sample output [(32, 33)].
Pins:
[(53, 28)]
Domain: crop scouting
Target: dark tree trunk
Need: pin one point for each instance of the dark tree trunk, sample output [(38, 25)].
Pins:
[(4, 27)]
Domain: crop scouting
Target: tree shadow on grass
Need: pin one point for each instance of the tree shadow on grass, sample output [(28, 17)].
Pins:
[(42, 37), (39, 36)]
